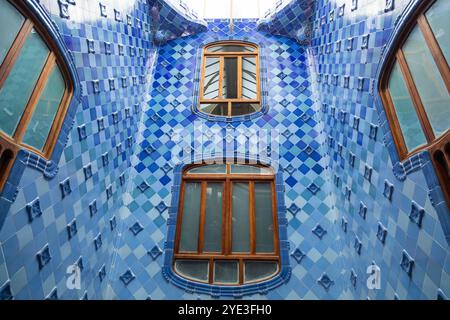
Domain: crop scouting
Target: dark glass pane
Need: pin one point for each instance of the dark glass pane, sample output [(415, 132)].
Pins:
[(193, 269), (231, 48), (241, 222), (226, 272), (259, 270), (191, 217), (216, 109), (241, 109), (248, 169), (209, 169), (213, 218), (229, 90), (264, 217)]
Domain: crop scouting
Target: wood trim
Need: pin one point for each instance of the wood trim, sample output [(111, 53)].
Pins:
[(34, 98), (397, 133), (435, 50), (226, 253), (221, 66), (234, 256), (13, 53), (417, 101), (221, 56)]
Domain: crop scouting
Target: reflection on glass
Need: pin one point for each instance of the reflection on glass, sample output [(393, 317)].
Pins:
[(193, 269), (428, 80), (437, 17), (249, 79), (241, 109), (45, 112), (216, 109), (404, 108), (226, 272), (211, 82), (229, 90), (213, 218), (231, 48), (240, 223), (11, 21), (191, 217), (19, 85), (264, 217), (247, 169), (211, 169), (259, 270)]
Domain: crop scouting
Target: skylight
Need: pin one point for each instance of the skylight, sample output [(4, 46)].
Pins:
[(224, 9)]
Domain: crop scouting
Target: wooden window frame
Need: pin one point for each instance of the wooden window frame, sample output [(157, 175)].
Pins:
[(439, 147), (11, 145), (222, 55), (226, 254)]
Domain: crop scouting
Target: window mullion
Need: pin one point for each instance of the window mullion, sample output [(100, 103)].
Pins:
[(417, 101), (34, 99), (221, 65), (252, 217), (275, 223), (14, 51), (239, 77), (201, 229), (435, 50)]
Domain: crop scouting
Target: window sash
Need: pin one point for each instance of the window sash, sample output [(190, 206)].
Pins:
[(222, 56), (226, 229)]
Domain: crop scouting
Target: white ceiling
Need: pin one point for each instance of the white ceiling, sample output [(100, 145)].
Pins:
[(220, 9)]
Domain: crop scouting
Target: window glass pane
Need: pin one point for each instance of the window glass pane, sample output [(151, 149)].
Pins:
[(264, 217), (246, 169), (211, 168), (429, 82), (249, 83), (240, 223), (437, 17), (241, 109), (193, 269), (19, 85), (191, 216), (259, 270), (211, 82), (213, 218), (216, 109), (231, 48), (10, 21), (45, 112), (226, 272), (229, 90), (404, 108)]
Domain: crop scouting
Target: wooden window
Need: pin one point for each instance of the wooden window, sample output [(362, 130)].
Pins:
[(35, 89), (227, 229), (415, 89), (230, 82)]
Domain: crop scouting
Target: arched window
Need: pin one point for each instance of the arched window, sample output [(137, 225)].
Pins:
[(230, 82), (227, 228), (34, 87), (415, 89)]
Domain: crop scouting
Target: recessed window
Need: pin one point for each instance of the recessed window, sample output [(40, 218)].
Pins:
[(34, 88), (416, 89), (230, 84), (227, 230)]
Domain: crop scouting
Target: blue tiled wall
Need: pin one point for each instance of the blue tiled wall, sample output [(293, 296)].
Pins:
[(377, 207), (93, 167), (138, 63), (292, 113)]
